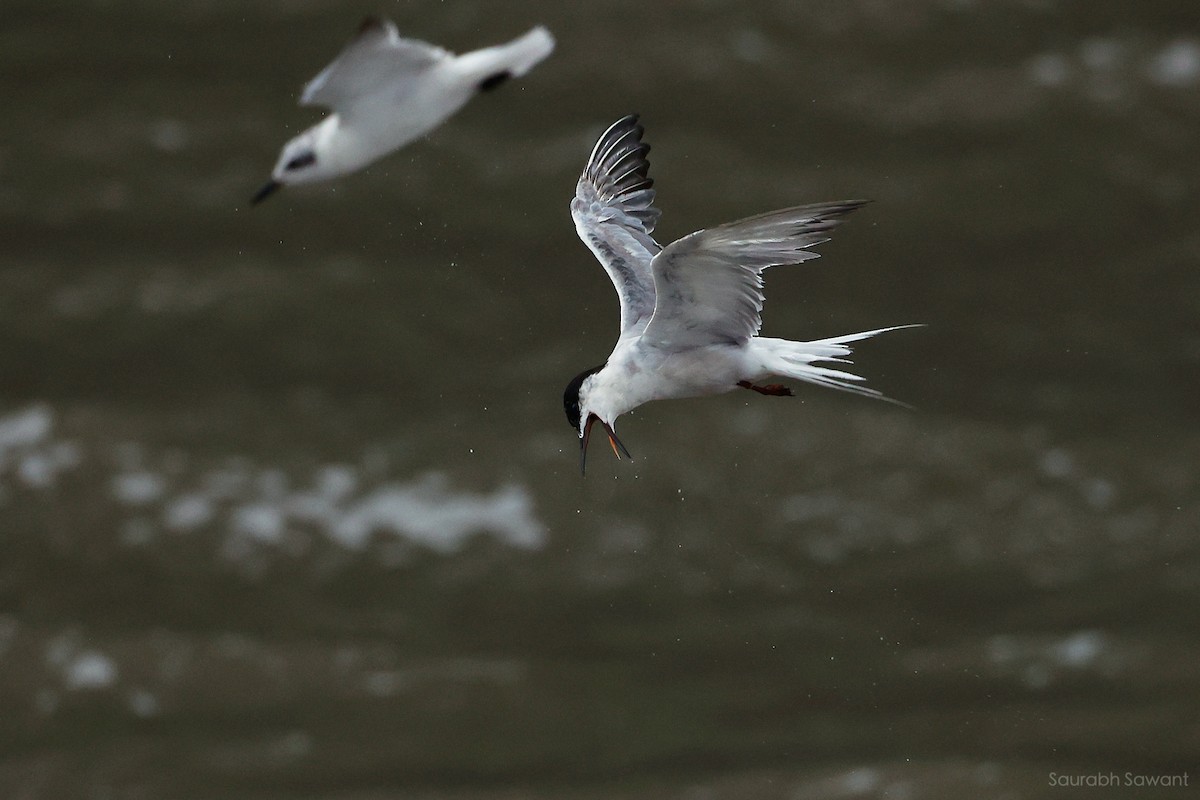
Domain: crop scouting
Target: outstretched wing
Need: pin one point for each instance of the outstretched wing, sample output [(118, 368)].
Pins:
[(375, 60), (614, 215), (709, 283)]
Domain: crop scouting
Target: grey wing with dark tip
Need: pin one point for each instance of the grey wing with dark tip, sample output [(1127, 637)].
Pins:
[(614, 215), (709, 283), (376, 60)]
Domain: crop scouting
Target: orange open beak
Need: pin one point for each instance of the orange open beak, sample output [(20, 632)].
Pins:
[(617, 447)]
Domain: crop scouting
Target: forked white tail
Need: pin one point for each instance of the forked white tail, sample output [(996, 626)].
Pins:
[(797, 360)]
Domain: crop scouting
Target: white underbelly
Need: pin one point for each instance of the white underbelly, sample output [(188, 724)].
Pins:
[(693, 373)]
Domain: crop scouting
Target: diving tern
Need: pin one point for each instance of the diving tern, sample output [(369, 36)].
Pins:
[(385, 91), (690, 310)]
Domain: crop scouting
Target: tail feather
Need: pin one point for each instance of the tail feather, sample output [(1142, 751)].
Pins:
[(528, 50), (797, 360), (511, 59), (834, 348)]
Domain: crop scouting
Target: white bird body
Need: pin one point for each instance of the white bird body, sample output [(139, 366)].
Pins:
[(637, 372), (690, 310), (385, 91)]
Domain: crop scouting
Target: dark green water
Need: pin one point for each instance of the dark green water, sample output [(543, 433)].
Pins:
[(289, 509)]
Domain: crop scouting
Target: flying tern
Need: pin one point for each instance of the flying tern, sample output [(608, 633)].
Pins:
[(385, 91), (690, 310)]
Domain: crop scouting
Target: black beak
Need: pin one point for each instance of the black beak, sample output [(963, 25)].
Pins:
[(617, 447), (266, 191)]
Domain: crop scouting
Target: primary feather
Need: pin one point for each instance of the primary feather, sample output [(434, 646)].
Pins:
[(709, 284), (614, 215)]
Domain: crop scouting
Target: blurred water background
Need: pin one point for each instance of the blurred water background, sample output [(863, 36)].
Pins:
[(289, 508)]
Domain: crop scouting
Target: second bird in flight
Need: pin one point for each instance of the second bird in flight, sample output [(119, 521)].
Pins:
[(385, 91)]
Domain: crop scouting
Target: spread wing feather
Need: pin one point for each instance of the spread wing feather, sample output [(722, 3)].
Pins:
[(376, 60), (709, 284), (614, 215)]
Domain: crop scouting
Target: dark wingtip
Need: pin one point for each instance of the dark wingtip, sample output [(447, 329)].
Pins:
[(371, 24), (370, 28), (492, 81), (266, 191), (629, 121)]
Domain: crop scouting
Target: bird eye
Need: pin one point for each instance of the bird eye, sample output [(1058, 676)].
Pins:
[(302, 160)]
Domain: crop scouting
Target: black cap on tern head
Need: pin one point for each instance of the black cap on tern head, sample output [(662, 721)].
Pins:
[(574, 412), (304, 157), (571, 395)]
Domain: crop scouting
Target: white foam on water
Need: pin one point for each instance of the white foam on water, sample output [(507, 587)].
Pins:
[(264, 522), (1177, 64), (312, 508), (25, 428), (138, 488), (1057, 463), (861, 780), (36, 471), (336, 482), (143, 703), (429, 513), (90, 669), (25, 442), (61, 648), (1080, 649), (187, 512)]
